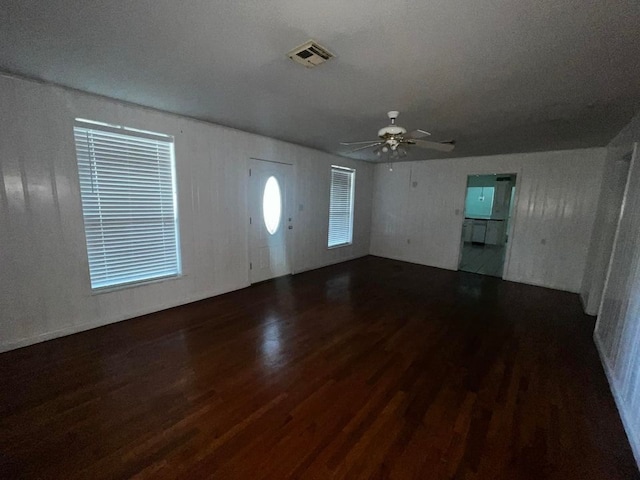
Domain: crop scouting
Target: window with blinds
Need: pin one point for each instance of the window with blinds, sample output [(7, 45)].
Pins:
[(341, 206), (127, 184)]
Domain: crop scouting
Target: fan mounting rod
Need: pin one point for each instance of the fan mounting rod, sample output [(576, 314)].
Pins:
[(391, 130)]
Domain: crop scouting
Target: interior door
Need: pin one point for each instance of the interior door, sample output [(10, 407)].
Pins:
[(270, 221)]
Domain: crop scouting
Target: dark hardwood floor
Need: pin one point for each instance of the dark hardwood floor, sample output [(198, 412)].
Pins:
[(368, 369)]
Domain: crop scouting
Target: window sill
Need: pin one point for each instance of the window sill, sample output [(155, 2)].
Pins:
[(339, 245), (125, 286)]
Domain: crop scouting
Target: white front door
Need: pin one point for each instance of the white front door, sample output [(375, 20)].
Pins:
[(269, 219)]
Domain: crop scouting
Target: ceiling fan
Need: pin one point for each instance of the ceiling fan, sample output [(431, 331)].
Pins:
[(393, 140)]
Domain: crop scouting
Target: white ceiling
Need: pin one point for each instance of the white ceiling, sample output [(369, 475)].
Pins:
[(497, 76)]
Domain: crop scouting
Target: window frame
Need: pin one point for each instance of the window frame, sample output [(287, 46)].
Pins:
[(352, 173), (136, 134), (469, 195)]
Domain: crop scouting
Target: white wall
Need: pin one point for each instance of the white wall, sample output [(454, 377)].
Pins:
[(44, 277), (617, 333), (418, 211)]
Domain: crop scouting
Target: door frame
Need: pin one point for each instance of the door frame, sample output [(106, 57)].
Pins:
[(635, 151), (507, 254), (290, 199)]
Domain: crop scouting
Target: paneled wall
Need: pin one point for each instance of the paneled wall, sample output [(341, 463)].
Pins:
[(418, 210), (618, 327), (44, 277)]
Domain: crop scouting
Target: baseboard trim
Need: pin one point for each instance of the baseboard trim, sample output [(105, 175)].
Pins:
[(329, 264), (412, 261), (632, 436), (83, 327)]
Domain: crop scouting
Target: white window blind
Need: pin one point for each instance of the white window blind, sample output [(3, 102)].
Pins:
[(341, 206), (127, 184)]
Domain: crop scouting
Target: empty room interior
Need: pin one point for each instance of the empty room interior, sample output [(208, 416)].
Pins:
[(337, 240)]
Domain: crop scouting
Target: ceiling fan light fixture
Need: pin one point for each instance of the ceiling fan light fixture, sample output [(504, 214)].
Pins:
[(393, 139), (391, 130)]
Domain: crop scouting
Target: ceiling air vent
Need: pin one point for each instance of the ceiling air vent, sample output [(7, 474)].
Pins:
[(310, 54)]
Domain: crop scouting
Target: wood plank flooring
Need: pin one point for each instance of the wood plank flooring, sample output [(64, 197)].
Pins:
[(368, 369)]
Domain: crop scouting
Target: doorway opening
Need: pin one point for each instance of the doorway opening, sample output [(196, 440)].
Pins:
[(487, 221)]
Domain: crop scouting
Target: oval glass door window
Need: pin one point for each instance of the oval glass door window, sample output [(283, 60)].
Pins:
[(272, 205)]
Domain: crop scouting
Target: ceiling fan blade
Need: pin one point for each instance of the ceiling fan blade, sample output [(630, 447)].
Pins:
[(359, 143), (366, 146), (418, 134), (440, 146)]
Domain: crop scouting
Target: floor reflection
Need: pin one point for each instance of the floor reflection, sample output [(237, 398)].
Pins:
[(338, 288), (271, 343)]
